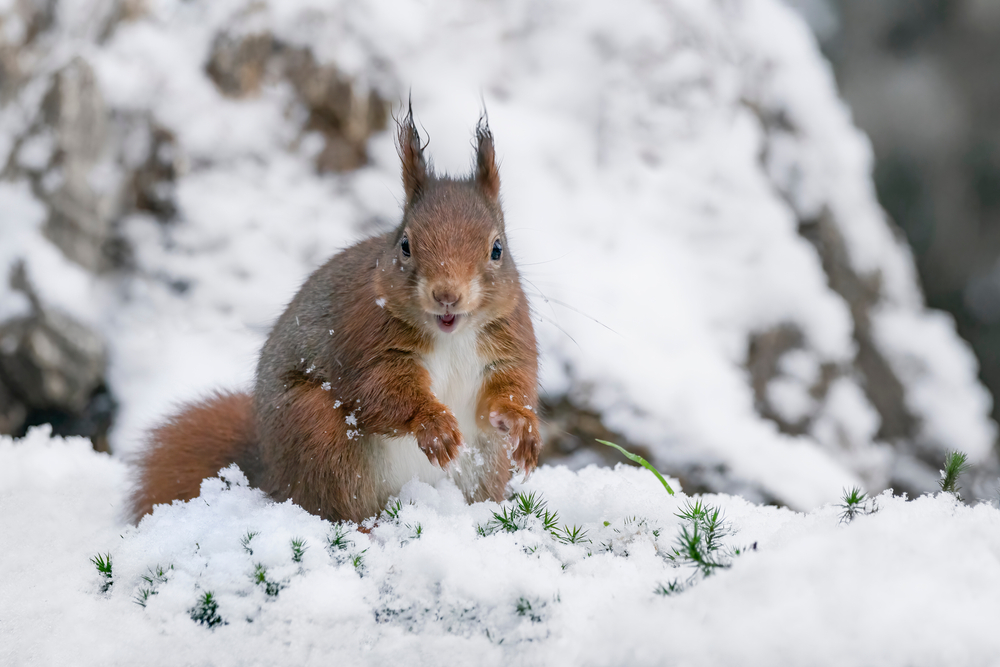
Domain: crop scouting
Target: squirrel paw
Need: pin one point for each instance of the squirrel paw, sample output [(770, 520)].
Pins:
[(520, 425), (438, 435)]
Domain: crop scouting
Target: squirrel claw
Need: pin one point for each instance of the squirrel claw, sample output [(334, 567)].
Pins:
[(438, 436), (521, 430)]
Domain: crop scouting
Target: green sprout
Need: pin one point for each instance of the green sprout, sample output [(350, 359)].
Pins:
[(298, 549), (514, 518), (206, 611), (246, 539), (670, 588), (271, 588), (523, 607), (699, 542), (337, 540), (358, 561), (103, 564), (393, 508), (955, 464), (641, 461), (143, 595), (156, 575), (856, 503), (570, 535)]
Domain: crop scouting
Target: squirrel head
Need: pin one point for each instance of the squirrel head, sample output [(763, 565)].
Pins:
[(448, 266)]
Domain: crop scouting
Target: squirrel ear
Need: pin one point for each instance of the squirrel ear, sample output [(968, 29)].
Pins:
[(487, 174), (411, 152)]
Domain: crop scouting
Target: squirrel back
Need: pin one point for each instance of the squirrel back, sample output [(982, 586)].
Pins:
[(409, 354)]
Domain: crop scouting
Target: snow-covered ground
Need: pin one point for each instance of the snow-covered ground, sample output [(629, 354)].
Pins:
[(915, 583), (658, 160)]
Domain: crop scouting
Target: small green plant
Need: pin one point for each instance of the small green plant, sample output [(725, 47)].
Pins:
[(337, 540), (856, 503), (246, 539), (641, 461), (358, 562), (524, 608), (699, 543), (206, 611), (299, 548), (670, 588), (570, 535), (142, 595), (533, 505), (156, 575), (415, 531), (392, 509), (506, 520), (271, 588), (955, 464), (516, 517), (103, 564)]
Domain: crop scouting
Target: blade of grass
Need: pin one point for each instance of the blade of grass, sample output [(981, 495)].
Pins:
[(641, 461)]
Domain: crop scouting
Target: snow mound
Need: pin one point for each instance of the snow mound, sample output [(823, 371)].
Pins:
[(905, 585)]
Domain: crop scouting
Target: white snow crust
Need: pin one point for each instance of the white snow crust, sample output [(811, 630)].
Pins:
[(908, 585)]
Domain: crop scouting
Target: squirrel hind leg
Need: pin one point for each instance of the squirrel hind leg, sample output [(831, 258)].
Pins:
[(193, 444)]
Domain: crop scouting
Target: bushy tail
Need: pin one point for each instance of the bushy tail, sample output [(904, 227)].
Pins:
[(196, 443)]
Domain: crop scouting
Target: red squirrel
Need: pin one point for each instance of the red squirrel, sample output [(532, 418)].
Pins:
[(410, 354)]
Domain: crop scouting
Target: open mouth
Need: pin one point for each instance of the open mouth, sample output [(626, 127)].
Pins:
[(447, 323)]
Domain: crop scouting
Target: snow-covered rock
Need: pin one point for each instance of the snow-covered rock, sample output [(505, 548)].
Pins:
[(690, 204)]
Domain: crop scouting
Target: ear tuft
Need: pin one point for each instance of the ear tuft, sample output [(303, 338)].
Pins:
[(411, 152), (487, 173)]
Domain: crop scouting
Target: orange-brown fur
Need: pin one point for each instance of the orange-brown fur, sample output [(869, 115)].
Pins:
[(344, 372), (196, 443)]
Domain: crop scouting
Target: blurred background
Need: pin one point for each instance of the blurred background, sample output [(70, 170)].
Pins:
[(922, 78)]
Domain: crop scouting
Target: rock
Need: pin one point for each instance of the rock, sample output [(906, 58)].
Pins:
[(345, 115), (13, 412), (237, 65), (152, 183), (18, 30), (862, 294), (51, 361), (338, 108), (52, 370), (82, 192)]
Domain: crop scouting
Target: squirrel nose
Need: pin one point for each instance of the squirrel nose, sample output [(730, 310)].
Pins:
[(446, 298)]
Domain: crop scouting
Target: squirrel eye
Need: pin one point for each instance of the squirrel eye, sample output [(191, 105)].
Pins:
[(497, 250), (405, 246)]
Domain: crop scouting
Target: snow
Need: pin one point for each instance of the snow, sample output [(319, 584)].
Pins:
[(653, 206), (906, 585)]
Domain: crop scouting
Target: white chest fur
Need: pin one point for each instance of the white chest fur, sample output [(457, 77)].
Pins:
[(456, 371), (456, 377)]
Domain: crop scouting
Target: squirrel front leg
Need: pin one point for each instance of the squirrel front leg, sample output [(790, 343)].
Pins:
[(509, 399), (396, 396)]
